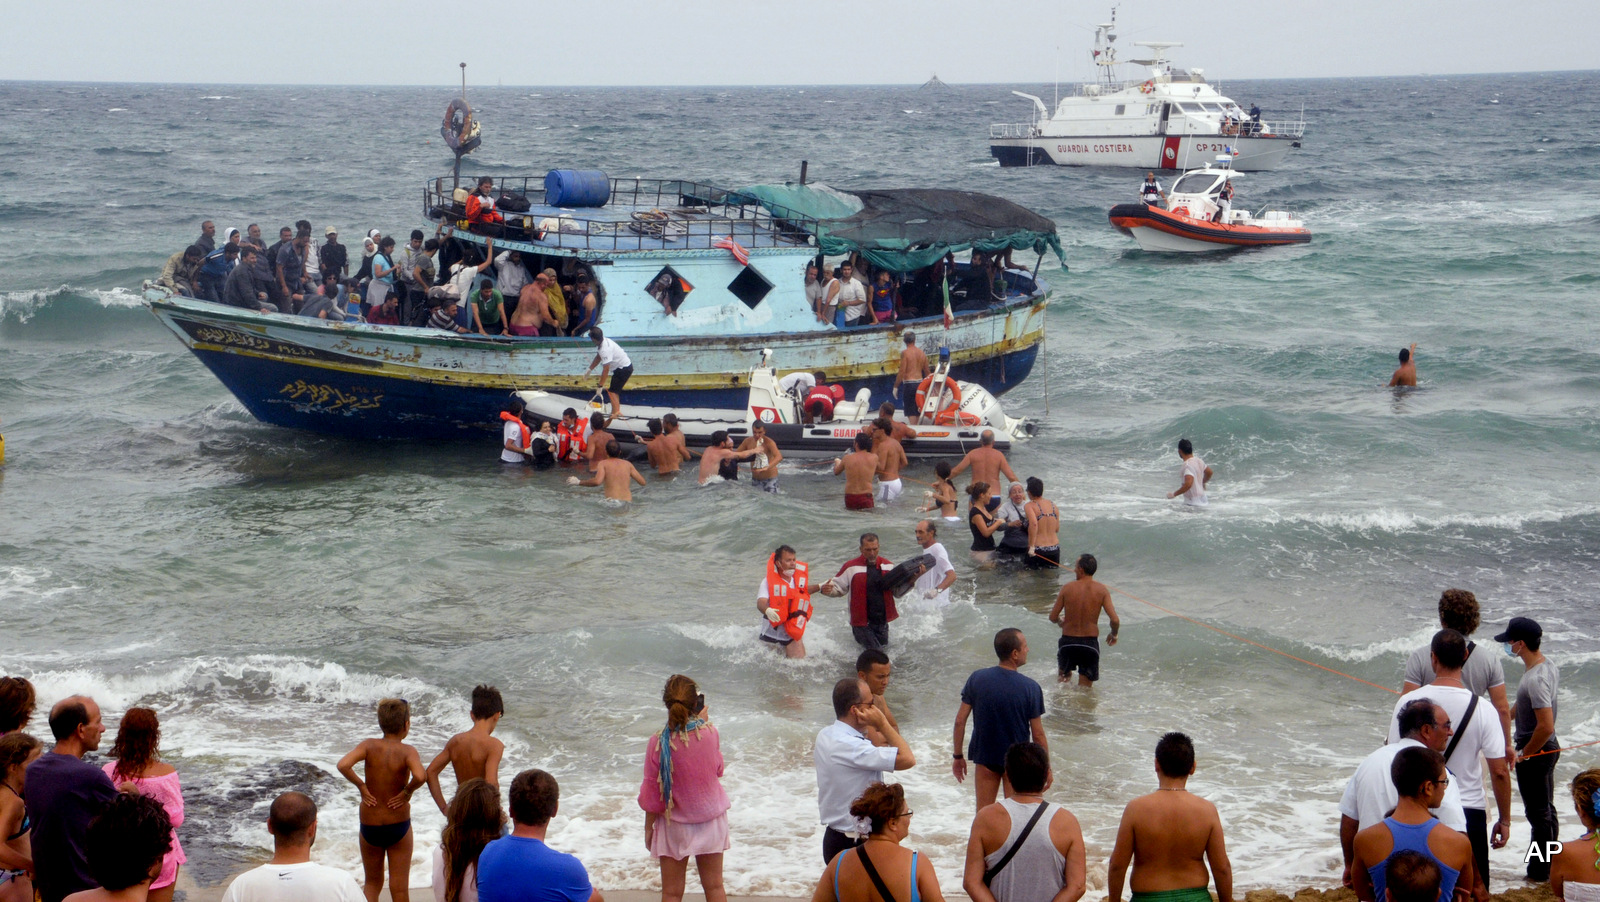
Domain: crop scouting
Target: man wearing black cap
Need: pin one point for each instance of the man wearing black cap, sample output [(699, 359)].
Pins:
[(1534, 717)]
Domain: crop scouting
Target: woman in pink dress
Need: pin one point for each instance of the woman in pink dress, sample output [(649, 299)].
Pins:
[(685, 809), (138, 754)]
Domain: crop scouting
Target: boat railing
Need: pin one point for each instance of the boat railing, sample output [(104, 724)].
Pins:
[(1013, 130), (690, 214)]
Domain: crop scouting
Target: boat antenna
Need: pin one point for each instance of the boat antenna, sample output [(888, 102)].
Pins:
[(463, 82)]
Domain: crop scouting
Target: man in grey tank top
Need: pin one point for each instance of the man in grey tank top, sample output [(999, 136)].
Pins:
[(1537, 748), (1048, 863), (1483, 673)]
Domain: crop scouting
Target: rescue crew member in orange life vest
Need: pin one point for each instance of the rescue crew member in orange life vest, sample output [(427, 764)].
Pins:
[(784, 598), (572, 438)]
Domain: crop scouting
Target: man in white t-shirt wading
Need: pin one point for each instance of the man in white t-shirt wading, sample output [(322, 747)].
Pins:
[(1195, 476), (1477, 732), (1371, 794), (291, 875), (934, 584)]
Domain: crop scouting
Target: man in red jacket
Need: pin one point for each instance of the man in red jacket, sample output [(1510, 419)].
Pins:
[(871, 604)]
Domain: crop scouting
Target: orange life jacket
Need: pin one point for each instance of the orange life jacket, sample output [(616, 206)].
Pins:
[(792, 602), (572, 442), (481, 209), (527, 434)]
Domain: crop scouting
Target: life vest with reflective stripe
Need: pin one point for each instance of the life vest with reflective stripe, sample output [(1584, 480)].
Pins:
[(572, 442), (791, 601), (527, 434)]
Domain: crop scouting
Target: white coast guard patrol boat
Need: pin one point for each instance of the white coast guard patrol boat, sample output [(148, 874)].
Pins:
[(1170, 119)]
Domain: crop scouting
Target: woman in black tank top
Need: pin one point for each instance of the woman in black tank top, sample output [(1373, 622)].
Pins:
[(982, 523)]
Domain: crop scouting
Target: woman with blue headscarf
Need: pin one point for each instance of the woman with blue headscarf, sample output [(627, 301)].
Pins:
[(685, 808)]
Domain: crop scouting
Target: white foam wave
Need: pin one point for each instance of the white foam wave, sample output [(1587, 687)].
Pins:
[(1397, 645), (29, 585), (25, 303)]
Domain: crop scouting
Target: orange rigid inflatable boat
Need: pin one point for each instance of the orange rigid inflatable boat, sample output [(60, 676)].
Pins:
[(1198, 217)]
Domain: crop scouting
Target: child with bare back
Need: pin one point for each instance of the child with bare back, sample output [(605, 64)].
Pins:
[(393, 773), (475, 753)]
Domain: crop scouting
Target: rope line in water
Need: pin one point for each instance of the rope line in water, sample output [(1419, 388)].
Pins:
[(1284, 653)]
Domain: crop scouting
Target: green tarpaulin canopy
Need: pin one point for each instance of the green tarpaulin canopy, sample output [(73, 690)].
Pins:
[(911, 228)]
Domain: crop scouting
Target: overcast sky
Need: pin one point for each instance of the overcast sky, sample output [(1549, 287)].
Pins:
[(747, 42)]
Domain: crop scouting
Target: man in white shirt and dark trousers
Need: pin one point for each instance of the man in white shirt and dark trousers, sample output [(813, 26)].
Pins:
[(291, 875), (847, 762), (1536, 745), (611, 359), (1477, 732), (1371, 794)]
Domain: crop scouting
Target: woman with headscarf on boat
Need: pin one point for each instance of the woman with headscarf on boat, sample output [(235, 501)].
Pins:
[(685, 807)]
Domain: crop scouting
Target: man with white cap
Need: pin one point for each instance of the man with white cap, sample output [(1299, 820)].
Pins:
[(332, 258)]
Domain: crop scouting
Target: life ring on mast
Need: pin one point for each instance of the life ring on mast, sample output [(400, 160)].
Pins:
[(460, 130), (1147, 87), (953, 392)]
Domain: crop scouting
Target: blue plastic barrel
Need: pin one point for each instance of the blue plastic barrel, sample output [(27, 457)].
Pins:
[(576, 188)]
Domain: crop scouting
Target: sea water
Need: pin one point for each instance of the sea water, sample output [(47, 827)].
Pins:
[(263, 588)]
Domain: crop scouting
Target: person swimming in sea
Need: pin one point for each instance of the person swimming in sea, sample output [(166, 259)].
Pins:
[(1405, 375)]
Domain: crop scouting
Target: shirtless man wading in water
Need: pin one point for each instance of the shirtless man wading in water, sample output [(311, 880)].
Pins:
[(1077, 609), (666, 450), (891, 457), (986, 461), (613, 473), (1406, 374), (858, 467), (717, 453)]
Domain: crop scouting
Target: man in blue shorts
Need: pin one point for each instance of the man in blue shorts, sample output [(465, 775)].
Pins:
[(1006, 708)]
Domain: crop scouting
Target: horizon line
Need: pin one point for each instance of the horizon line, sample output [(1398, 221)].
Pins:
[(885, 84)]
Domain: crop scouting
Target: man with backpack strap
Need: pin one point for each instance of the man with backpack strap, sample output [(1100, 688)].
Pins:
[(1023, 848)]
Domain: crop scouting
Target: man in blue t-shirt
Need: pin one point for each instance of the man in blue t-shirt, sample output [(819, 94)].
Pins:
[(1006, 708), (520, 867), (65, 793)]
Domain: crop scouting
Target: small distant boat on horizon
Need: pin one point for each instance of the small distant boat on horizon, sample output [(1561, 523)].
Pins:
[(1196, 219), (1170, 118)]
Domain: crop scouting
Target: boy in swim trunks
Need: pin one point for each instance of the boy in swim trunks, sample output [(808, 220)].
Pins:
[(394, 771), (475, 753), (1170, 836), (1077, 609)]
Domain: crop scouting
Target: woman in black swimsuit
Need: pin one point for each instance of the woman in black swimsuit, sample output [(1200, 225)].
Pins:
[(982, 523)]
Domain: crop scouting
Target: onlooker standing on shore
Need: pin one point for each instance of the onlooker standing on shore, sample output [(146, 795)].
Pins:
[(473, 820), (874, 669), (1170, 836), (1006, 708), (17, 751), (64, 794), (1536, 743), (138, 765), (847, 762), (124, 847), (878, 861), (1370, 795), (1573, 876), (1022, 848), (17, 700), (685, 807), (520, 867), (1458, 610), (291, 875), (474, 753), (1477, 733), (393, 772), (1420, 778)]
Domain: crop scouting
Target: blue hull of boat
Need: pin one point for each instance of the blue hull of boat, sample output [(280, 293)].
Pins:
[(371, 405)]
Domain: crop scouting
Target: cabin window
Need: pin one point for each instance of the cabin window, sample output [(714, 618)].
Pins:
[(1121, 108), (669, 289), (750, 286)]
